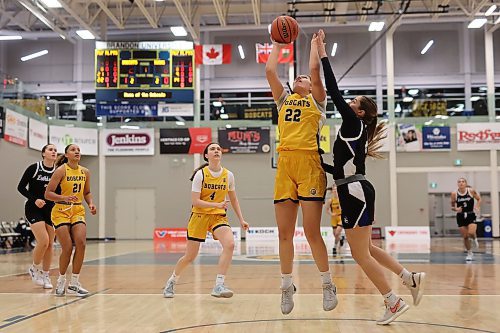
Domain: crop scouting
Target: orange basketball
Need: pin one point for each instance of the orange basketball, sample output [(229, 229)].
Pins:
[(284, 29)]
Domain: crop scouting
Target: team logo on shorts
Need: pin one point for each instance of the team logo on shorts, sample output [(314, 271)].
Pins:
[(346, 220), (313, 191)]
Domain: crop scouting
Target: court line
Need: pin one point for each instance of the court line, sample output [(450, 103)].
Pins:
[(51, 309), (316, 319), (103, 293)]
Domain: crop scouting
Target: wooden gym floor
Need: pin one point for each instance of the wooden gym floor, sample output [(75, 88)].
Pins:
[(126, 279)]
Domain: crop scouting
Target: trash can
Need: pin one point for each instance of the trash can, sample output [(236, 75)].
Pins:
[(488, 230)]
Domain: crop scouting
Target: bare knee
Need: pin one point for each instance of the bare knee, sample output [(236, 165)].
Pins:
[(313, 236), (80, 244), (66, 250), (190, 258), (229, 246), (43, 243), (285, 236)]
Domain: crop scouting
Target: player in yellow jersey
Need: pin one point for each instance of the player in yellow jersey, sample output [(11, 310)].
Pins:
[(300, 179), (334, 210), (68, 187), (212, 186)]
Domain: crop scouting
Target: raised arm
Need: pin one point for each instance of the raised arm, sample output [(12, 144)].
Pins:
[(318, 90), (272, 72)]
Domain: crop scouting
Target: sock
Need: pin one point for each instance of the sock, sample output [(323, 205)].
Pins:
[(391, 298), (219, 279), (406, 276), (286, 281), (37, 267), (61, 277), (326, 277), (174, 278), (74, 278)]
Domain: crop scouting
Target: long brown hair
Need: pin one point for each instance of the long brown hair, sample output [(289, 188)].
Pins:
[(375, 132), (62, 158), (205, 151)]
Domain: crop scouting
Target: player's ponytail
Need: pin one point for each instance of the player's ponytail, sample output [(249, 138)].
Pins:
[(205, 158), (375, 132), (62, 158)]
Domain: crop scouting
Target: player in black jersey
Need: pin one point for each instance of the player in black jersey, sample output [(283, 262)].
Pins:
[(359, 136), (462, 202), (37, 211)]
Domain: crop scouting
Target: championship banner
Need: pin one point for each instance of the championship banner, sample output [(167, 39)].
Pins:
[(16, 128), (478, 136), (85, 138), (123, 142), (2, 121), (245, 140), (38, 134), (436, 138), (324, 142), (408, 138), (184, 140)]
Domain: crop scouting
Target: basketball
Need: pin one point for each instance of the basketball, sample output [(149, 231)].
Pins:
[(284, 29)]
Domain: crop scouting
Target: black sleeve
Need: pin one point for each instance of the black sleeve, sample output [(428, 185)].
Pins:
[(351, 125), (23, 183)]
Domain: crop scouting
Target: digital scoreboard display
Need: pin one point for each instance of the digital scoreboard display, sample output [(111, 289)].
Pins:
[(136, 75)]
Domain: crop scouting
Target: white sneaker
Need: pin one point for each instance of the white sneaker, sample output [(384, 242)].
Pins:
[(36, 275), (287, 299), (77, 289), (61, 286), (469, 256), (221, 291), (416, 287), (392, 312), (169, 292), (47, 284), (330, 300)]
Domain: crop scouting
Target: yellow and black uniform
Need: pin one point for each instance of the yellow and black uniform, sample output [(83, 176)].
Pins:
[(70, 213), (213, 189), (336, 212), (299, 175)]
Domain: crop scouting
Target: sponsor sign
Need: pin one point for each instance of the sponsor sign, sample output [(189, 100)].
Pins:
[(16, 128), (121, 142), (478, 136), (184, 140), (262, 233), (170, 234), (38, 134), (127, 110), (175, 109), (85, 138), (408, 239), (246, 140), (326, 233), (436, 138), (408, 138), (236, 234)]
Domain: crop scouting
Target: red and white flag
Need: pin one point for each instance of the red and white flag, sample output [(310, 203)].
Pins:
[(213, 54), (264, 50)]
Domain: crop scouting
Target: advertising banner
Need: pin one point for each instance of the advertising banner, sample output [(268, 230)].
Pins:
[(478, 136), (184, 140), (408, 138), (127, 110), (126, 142), (245, 140), (38, 134), (436, 138), (16, 128), (85, 138)]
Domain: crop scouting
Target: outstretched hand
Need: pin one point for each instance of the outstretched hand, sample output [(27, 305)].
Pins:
[(320, 42)]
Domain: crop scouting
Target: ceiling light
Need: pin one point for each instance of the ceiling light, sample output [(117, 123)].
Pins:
[(427, 46), (224, 116), (413, 92), (475, 98), (477, 23), (376, 26), (127, 120), (129, 127), (490, 10), (228, 126), (178, 31), (52, 3), (10, 37), (334, 49), (85, 34), (217, 104), (242, 54), (180, 123), (408, 99), (34, 55)]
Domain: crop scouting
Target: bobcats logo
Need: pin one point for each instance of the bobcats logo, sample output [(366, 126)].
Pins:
[(313, 191)]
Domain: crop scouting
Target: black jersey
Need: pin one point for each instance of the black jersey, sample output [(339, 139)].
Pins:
[(466, 201), (350, 147), (35, 178)]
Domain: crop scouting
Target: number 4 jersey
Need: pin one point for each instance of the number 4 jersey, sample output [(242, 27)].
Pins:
[(300, 120), (73, 182), (213, 187)]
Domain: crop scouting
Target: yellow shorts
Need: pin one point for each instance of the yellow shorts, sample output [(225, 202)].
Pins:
[(63, 214), (336, 221), (199, 224), (299, 176)]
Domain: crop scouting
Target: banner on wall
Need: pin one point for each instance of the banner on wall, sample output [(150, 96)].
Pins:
[(478, 136), (2, 121), (184, 140), (38, 134), (16, 128), (408, 138), (85, 138), (436, 138), (124, 142), (245, 140)]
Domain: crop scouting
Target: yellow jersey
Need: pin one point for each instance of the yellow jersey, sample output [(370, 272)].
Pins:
[(335, 205), (213, 189), (300, 120), (73, 182)]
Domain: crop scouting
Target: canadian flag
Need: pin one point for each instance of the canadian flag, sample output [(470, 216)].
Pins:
[(264, 50), (213, 54)]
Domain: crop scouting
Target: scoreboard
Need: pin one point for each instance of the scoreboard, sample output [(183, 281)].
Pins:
[(137, 75)]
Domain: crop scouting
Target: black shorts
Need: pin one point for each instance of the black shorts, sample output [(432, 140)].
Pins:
[(464, 219), (357, 201), (34, 214)]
